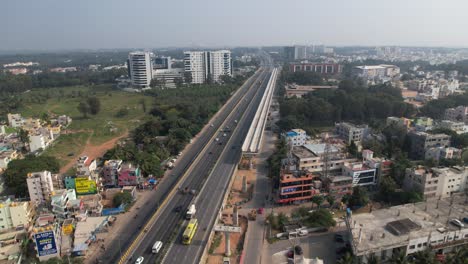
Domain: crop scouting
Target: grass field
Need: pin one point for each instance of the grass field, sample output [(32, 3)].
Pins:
[(96, 129)]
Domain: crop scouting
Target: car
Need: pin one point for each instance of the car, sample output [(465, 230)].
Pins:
[(212, 125), (210, 152), (465, 219), (178, 209), (260, 210), (457, 223), (298, 250), (139, 260), (224, 135), (339, 238), (217, 139)]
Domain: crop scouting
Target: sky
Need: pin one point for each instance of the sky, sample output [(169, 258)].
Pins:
[(108, 24)]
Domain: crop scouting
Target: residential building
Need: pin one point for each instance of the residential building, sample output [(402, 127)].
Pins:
[(296, 137), (140, 68), (436, 182), (361, 174), (40, 186), (300, 52), (321, 68), (399, 121), (376, 72), (40, 138), (338, 186), (15, 120), (459, 114), (289, 53), (423, 124), (63, 69), (382, 166), (458, 127), (207, 65), (110, 172), (161, 62), (438, 153), (15, 214), (85, 166), (7, 156), (422, 141), (407, 229), (60, 202), (129, 175), (350, 132), (311, 157), (296, 187)]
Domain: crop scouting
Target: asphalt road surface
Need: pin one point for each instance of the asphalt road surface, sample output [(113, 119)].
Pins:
[(225, 154), (120, 246)]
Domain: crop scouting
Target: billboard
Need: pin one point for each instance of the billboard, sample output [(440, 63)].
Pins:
[(85, 186), (45, 243)]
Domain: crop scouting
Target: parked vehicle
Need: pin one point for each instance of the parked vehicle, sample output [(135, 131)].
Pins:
[(457, 223), (139, 260)]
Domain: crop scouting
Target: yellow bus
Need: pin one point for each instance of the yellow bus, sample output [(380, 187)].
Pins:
[(190, 231)]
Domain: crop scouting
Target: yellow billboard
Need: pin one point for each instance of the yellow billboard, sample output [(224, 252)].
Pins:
[(85, 186), (67, 229)]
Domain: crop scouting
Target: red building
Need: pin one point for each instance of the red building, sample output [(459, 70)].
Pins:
[(298, 187), (321, 68)]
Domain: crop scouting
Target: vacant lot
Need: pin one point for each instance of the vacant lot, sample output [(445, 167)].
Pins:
[(95, 130)]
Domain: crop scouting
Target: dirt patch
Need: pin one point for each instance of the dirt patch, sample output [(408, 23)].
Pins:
[(93, 151)]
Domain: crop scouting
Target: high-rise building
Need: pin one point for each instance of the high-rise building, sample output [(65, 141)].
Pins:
[(289, 53), (40, 186), (140, 68), (205, 65), (162, 63), (300, 52)]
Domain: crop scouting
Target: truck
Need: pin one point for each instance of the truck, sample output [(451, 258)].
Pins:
[(190, 212)]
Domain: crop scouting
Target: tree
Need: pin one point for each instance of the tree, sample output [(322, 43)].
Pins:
[(143, 104), (17, 171), (359, 198), (387, 187), (317, 199), (94, 105), (178, 81), (23, 136), (320, 218), (346, 259), (188, 77), (373, 260), (84, 109), (352, 149), (330, 200), (424, 257), (122, 198), (399, 258)]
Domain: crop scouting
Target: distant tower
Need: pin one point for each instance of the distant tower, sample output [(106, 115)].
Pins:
[(140, 68)]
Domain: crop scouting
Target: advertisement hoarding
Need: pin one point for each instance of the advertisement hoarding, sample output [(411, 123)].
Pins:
[(45, 243), (85, 186)]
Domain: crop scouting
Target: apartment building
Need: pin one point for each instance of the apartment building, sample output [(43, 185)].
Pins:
[(311, 157), (382, 166), (459, 114), (438, 153), (85, 166), (7, 156), (338, 186), (458, 127), (407, 229), (399, 121), (207, 65), (15, 214), (40, 186), (436, 182), (294, 187), (15, 120), (350, 132), (422, 141), (60, 202), (129, 175), (320, 68), (140, 68), (110, 172), (376, 72), (296, 137), (361, 174)]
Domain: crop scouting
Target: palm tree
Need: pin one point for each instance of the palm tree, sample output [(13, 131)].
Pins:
[(399, 258), (458, 256), (346, 259), (424, 257), (373, 260)]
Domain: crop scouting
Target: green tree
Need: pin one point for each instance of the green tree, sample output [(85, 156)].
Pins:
[(424, 257), (346, 259), (320, 218), (17, 171), (387, 188), (179, 82), (399, 258), (122, 198), (353, 149), (84, 109), (317, 199), (94, 105), (330, 200), (359, 197)]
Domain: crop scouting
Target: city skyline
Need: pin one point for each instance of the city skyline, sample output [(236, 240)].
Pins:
[(35, 25)]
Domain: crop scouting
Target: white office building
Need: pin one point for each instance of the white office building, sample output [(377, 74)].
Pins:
[(140, 68), (203, 65)]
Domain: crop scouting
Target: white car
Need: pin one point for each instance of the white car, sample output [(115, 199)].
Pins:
[(139, 260), (457, 222)]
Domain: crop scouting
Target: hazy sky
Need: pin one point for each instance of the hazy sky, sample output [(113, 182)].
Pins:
[(70, 24)]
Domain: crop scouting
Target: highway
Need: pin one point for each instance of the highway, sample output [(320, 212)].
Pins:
[(119, 248), (169, 225)]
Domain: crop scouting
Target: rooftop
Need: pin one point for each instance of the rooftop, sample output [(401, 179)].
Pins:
[(319, 149), (394, 226)]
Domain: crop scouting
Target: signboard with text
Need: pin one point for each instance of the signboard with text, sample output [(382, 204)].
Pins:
[(45, 243), (85, 186)]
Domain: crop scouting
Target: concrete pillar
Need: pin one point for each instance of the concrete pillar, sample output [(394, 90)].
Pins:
[(235, 216), (227, 244), (244, 184)]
